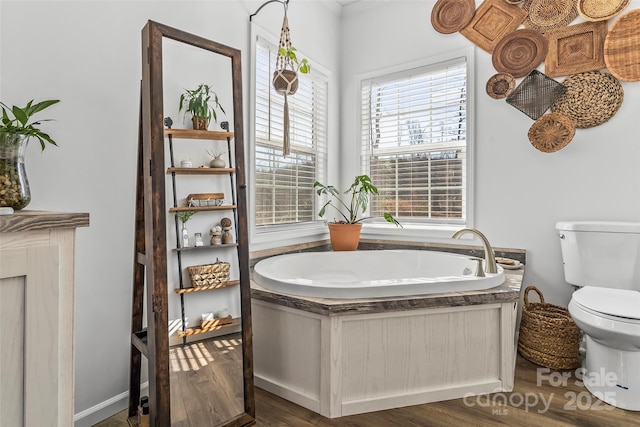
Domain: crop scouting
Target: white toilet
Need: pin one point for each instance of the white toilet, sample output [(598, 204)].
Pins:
[(603, 259)]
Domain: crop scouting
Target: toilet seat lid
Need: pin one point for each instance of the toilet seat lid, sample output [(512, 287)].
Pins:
[(614, 302)]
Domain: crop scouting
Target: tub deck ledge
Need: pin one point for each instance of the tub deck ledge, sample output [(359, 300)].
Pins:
[(509, 291)]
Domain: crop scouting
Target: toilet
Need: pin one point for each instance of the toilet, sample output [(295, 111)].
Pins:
[(603, 259)]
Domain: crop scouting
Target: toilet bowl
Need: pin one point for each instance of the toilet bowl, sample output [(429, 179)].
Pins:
[(603, 259)]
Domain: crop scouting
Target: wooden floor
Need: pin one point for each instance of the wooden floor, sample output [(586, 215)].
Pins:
[(206, 381), (540, 398)]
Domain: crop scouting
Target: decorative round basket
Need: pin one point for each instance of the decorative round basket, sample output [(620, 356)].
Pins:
[(548, 335), (500, 85), (519, 52), (449, 16), (622, 47), (551, 132), (601, 10), (591, 98), (544, 15)]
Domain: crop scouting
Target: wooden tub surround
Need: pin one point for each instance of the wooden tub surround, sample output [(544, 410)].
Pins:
[(344, 357)]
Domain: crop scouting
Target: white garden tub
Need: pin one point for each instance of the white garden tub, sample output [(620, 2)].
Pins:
[(372, 274)]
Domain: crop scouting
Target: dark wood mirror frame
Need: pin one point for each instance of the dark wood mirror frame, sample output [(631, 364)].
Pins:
[(150, 261)]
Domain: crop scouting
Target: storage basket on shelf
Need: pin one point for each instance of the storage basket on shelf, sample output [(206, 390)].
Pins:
[(548, 335), (209, 274)]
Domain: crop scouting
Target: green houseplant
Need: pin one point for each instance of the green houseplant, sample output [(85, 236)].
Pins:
[(202, 103), (285, 78), (345, 232), (184, 217), (16, 127)]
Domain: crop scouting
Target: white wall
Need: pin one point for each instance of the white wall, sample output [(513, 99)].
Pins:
[(520, 192), (87, 53)]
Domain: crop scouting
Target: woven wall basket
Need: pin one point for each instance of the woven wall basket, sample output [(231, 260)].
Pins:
[(548, 335), (544, 15), (449, 16), (600, 10), (500, 85), (519, 52), (622, 47), (591, 99), (551, 132), (493, 20), (575, 49), (535, 94)]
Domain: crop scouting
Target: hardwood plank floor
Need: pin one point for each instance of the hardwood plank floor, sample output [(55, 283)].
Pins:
[(541, 398), (206, 381)]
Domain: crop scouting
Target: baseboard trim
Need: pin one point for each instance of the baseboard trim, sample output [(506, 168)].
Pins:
[(287, 392), (106, 409)]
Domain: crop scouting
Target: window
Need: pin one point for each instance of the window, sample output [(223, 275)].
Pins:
[(284, 186), (414, 142)]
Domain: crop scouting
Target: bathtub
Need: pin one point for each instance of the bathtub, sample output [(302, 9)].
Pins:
[(372, 274)]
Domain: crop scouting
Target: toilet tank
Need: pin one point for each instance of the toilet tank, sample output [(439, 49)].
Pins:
[(601, 253)]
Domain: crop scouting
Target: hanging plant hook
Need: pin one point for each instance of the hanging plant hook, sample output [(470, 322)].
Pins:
[(285, 3)]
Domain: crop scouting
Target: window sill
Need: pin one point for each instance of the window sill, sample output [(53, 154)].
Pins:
[(286, 235), (278, 236), (410, 232)]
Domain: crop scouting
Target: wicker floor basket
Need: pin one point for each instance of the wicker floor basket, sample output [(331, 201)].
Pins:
[(548, 335)]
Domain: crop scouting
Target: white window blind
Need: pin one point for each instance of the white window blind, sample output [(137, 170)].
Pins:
[(284, 186), (414, 142)]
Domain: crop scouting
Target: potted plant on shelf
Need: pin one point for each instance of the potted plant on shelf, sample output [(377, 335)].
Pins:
[(202, 103), (184, 216), (16, 128), (345, 233)]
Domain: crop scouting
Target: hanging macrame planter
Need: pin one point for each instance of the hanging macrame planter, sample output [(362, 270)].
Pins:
[(285, 79)]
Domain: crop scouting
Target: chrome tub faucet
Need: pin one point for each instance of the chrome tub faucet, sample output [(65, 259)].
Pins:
[(489, 257)]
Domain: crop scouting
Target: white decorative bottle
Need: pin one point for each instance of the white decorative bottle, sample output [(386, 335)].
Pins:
[(185, 236)]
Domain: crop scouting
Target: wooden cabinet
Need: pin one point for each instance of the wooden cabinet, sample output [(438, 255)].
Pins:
[(36, 317)]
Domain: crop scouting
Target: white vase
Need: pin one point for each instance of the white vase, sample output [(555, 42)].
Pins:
[(185, 236), (217, 163)]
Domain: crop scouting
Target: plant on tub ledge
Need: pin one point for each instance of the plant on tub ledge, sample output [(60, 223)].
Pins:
[(16, 127), (345, 233)]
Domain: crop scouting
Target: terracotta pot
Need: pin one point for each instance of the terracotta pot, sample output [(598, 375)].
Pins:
[(281, 80), (344, 237), (200, 123)]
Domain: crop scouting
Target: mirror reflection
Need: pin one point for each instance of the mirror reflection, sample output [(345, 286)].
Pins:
[(205, 355)]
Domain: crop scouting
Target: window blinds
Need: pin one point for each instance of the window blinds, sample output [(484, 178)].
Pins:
[(414, 141), (284, 186)]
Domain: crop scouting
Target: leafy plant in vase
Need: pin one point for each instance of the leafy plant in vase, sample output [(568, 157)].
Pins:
[(184, 216), (15, 130), (345, 233), (202, 103)]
